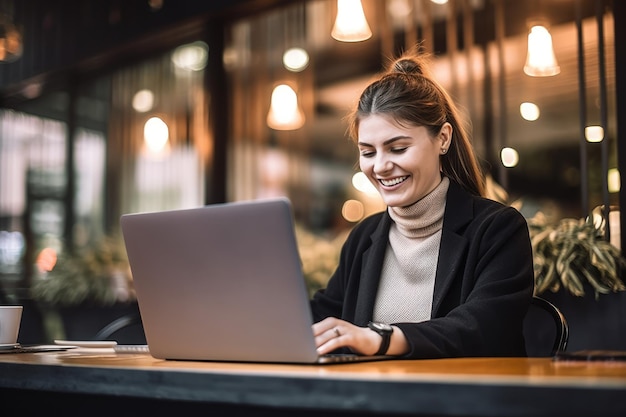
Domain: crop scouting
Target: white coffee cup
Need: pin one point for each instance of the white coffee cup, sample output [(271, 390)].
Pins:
[(10, 319)]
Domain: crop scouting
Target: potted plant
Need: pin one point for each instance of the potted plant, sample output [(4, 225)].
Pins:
[(319, 255), (574, 252), (82, 291), (573, 259), (98, 275)]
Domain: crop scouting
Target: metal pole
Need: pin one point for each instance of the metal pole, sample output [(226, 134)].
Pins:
[(603, 118), (619, 17), (582, 102), (502, 137)]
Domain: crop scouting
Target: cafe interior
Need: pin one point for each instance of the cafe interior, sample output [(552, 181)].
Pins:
[(114, 107), (111, 107)]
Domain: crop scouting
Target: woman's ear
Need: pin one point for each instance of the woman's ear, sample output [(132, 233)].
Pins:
[(445, 136)]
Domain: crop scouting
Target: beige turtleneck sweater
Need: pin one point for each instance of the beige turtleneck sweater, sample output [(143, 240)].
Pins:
[(405, 292)]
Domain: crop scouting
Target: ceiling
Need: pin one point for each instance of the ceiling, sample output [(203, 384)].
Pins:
[(557, 96)]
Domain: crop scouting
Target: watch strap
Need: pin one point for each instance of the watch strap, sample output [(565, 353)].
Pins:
[(386, 335), (384, 344)]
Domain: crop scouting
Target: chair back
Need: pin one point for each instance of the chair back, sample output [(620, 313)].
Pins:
[(127, 329), (545, 329)]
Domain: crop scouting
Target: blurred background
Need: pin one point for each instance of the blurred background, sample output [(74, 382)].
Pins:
[(110, 107)]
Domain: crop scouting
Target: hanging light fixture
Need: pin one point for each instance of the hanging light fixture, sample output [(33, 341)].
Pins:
[(10, 34), (156, 134), (594, 134), (541, 60), (296, 59), (284, 112), (529, 111), (192, 57), (350, 24)]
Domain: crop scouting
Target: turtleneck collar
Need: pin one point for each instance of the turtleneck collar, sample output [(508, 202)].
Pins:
[(424, 217)]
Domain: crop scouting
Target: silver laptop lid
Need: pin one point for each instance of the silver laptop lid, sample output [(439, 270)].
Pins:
[(221, 282)]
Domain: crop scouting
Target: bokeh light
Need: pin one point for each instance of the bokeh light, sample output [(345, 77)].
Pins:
[(529, 111), (295, 59), (156, 134), (594, 134), (352, 211), (509, 157), (143, 101), (363, 184)]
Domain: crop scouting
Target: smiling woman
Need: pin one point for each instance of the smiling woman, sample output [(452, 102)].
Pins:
[(402, 159), (444, 271), (411, 108)]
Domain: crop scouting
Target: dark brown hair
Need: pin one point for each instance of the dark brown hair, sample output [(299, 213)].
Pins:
[(410, 96)]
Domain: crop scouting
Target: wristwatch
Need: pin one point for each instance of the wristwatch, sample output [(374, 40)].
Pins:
[(385, 331)]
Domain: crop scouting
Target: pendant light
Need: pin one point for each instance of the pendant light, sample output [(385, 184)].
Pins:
[(541, 60), (11, 45), (350, 24), (156, 135), (284, 112)]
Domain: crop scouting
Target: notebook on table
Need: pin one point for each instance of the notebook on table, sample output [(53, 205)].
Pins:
[(223, 283)]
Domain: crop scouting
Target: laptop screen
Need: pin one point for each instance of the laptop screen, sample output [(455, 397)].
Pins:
[(221, 282)]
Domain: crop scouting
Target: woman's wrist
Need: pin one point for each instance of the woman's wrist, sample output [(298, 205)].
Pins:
[(398, 344)]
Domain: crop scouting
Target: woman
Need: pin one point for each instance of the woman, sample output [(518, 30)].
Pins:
[(443, 272)]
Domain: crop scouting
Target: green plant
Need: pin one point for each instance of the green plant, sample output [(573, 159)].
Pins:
[(98, 275), (572, 252), (319, 255)]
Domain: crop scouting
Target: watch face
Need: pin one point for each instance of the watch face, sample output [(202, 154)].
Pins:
[(381, 326)]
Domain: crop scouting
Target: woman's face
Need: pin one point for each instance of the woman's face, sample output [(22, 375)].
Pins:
[(402, 162)]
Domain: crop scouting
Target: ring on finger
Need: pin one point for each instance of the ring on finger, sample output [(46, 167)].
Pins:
[(336, 330)]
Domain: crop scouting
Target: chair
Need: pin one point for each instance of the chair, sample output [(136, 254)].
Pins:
[(545, 329), (128, 329)]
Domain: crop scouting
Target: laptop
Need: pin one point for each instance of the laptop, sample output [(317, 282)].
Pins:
[(223, 282)]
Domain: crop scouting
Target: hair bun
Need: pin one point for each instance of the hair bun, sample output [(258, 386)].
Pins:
[(407, 66)]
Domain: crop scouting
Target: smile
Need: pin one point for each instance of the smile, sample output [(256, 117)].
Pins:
[(392, 182)]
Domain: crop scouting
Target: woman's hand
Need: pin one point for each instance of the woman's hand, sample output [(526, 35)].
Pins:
[(332, 333)]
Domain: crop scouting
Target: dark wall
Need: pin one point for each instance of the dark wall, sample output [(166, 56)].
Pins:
[(89, 36)]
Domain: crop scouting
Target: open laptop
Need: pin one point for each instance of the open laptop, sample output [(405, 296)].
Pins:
[(223, 283)]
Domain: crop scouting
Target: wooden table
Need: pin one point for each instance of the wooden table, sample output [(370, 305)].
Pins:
[(99, 382)]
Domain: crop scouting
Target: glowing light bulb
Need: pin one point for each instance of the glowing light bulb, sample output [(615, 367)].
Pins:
[(509, 157), (350, 24), (594, 134), (295, 59), (540, 61), (156, 134), (284, 112), (529, 111)]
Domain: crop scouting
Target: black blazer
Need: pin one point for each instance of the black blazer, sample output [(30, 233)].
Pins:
[(483, 285)]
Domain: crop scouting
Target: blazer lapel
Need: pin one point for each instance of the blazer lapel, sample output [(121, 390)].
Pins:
[(459, 212), (371, 266)]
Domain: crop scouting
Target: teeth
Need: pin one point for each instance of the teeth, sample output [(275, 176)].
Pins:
[(389, 183)]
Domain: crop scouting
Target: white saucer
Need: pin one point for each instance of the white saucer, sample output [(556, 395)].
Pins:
[(87, 343)]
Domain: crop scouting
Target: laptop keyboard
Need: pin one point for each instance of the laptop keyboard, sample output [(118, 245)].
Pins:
[(348, 357), (131, 349)]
